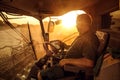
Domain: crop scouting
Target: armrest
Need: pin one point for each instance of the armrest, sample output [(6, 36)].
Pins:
[(72, 68), (76, 69)]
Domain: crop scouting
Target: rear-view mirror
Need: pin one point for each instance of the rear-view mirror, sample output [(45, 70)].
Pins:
[(51, 26)]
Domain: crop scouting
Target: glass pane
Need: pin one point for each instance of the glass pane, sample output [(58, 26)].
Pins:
[(115, 20)]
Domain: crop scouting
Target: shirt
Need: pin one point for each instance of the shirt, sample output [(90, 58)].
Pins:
[(85, 45)]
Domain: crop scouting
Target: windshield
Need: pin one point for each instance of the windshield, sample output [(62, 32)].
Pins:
[(21, 39)]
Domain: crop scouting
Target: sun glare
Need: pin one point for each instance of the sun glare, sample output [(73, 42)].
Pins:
[(69, 19)]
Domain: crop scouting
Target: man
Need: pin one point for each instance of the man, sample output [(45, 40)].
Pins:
[(82, 53)]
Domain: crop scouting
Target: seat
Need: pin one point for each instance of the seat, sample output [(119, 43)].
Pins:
[(110, 68), (104, 39)]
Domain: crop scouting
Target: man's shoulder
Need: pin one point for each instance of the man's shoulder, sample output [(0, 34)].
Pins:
[(91, 37)]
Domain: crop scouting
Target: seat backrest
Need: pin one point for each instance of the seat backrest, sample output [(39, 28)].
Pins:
[(104, 40)]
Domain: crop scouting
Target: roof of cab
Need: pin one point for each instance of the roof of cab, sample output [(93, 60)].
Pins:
[(44, 8)]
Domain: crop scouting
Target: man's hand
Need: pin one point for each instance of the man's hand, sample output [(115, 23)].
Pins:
[(63, 62), (49, 53), (33, 73)]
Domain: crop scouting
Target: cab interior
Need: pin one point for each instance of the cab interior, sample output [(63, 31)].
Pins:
[(23, 44)]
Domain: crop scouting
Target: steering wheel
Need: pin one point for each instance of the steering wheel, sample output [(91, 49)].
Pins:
[(57, 46)]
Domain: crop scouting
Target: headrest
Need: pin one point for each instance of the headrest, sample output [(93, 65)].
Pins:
[(104, 39)]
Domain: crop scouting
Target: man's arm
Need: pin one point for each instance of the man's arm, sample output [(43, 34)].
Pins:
[(82, 62)]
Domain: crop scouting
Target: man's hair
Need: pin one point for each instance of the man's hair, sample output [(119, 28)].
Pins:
[(84, 18)]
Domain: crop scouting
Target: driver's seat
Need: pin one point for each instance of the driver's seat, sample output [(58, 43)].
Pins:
[(104, 39)]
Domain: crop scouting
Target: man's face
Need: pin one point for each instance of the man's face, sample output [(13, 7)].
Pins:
[(79, 26), (82, 26)]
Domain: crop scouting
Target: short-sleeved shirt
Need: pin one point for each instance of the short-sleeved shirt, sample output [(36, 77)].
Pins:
[(85, 45)]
